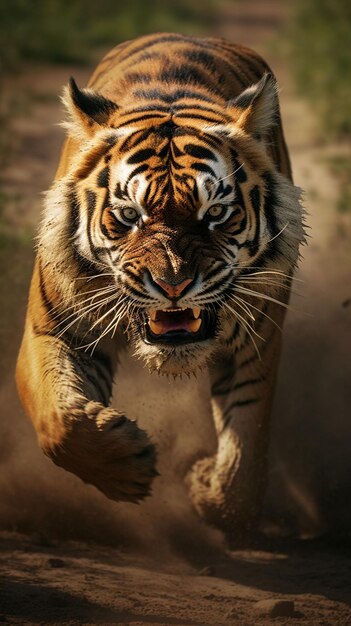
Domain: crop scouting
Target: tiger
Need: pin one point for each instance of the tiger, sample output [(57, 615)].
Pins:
[(172, 226)]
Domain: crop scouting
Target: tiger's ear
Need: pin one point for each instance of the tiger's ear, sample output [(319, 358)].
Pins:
[(255, 110), (87, 109)]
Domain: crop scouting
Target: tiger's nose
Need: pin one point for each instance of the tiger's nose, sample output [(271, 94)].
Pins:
[(173, 290)]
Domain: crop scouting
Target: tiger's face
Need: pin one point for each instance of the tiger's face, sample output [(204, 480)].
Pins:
[(176, 215), (170, 212)]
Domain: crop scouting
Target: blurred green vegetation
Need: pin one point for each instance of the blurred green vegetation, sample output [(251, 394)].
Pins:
[(321, 56), (16, 259), (340, 166), (69, 30), (320, 44)]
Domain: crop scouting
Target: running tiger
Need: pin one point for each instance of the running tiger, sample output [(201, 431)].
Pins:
[(172, 224)]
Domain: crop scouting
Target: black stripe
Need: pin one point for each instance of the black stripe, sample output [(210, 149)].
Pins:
[(199, 152), (102, 360), (244, 383), (147, 193), (137, 171), (90, 197), (215, 271), (163, 152), (203, 58), (197, 116), (85, 372), (138, 77), (216, 285), (235, 333), (136, 292), (247, 362), (49, 306), (185, 74), (147, 45), (257, 68), (255, 198), (103, 177), (195, 192), (110, 141), (237, 404), (85, 266), (74, 212), (239, 171), (202, 167), (231, 241), (223, 190), (240, 385), (141, 155), (120, 193), (270, 203), (133, 276), (239, 199), (103, 374), (140, 118)]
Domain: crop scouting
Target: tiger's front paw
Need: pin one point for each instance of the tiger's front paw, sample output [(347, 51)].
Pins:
[(222, 497), (107, 450), (206, 490)]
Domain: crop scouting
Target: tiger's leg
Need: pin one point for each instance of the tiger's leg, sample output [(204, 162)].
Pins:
[(66, 393), (228, 488)]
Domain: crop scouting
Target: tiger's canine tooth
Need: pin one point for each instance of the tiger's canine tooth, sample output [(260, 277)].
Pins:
[(196, 312), (194, 325), (153, 313)]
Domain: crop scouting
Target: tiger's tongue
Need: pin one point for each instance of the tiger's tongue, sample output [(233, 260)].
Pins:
[(167, 322)]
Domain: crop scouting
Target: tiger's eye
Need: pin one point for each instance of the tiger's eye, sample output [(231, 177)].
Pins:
[(216, 211), (129, 214)]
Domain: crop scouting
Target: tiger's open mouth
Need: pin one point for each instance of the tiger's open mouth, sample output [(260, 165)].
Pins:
[(179, 326)]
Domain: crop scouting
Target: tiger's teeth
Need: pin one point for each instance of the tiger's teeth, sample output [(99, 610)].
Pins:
[(177, 310), (153, 313), (196, 312), (194, 325)]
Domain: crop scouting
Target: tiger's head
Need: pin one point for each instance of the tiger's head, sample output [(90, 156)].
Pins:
[(170, 208)]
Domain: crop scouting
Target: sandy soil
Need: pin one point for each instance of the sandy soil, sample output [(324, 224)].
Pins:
[(67, 554), (85, 584)]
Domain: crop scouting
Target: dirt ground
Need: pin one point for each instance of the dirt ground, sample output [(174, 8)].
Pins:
[(68, 555)]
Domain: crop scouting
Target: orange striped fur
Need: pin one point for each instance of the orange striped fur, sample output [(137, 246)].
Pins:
[(172, 223)]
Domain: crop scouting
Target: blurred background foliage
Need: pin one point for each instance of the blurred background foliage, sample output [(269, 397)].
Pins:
[(320, 41), (69, 30), (320, 55)]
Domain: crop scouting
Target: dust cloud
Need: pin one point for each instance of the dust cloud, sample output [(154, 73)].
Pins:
[(50, 503)]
